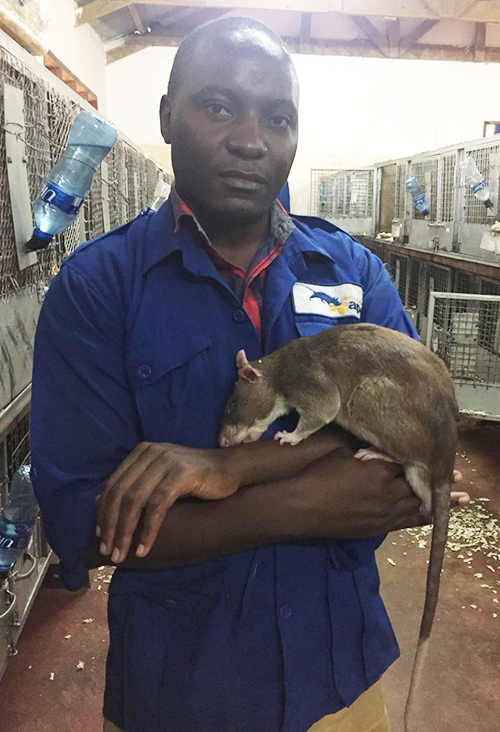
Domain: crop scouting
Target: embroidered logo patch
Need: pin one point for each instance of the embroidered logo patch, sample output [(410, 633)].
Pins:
[(337, 301)]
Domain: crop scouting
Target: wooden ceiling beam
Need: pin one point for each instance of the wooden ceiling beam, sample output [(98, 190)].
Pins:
[(137, 19), (417, 33), (361, 47), (305, 31), (98, 9), (178, 16), (480, 42), (371, 32), (478, 11)]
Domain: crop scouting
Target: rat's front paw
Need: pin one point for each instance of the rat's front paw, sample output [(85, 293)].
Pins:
[(367, 454), (287, 438)]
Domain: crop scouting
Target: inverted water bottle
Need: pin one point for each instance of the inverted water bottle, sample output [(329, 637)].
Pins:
[(475, 181), (17, 519), (418, 196), (162, 192), (90, 140)]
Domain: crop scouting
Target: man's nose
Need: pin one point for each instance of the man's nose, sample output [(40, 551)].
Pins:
[(245, 139)]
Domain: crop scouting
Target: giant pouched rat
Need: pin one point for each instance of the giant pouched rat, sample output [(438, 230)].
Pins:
[(386, 389)]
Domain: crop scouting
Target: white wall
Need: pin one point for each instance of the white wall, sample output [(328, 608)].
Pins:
[(80, 49), (354, 111)]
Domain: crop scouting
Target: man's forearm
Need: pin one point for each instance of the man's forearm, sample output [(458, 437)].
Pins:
[(267, 461), (196, 530)]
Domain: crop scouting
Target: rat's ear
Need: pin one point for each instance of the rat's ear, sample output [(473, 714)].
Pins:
[(245, 369)]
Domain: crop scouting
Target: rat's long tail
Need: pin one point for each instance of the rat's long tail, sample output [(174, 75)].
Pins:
[(439, 535)]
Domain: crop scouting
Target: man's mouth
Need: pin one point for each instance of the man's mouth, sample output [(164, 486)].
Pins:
[(242, 180)]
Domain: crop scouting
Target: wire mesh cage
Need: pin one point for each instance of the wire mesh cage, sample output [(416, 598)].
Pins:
[(475, 210), (400, 191), (342, 194), (319, 201), (447, 187), (465, 332)]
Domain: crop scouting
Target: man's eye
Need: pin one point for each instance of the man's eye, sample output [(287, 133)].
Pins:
[(218, 110), (280, 121)]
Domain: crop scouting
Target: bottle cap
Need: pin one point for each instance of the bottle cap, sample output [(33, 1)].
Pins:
[(488, 203), (39, 240)]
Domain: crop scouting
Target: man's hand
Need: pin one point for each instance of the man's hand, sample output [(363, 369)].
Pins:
[(150, 480), (142, 489), (378, 500)]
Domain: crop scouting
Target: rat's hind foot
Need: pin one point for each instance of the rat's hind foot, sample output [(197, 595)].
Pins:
[(290, 438), (368, 454)]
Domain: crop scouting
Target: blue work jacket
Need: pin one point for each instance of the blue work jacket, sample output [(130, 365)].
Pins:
[(136, 341)]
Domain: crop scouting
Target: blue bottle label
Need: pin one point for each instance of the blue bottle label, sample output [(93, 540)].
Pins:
[(478, 187), (52, 194), (13, 543)]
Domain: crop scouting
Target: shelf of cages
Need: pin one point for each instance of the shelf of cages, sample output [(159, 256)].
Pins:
[(122, 186), (416, 278), (457, 222)]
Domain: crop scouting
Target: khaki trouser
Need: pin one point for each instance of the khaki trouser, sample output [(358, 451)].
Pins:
[(367, 714)]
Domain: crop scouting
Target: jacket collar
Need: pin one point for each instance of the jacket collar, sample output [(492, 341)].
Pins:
[(300, 235)]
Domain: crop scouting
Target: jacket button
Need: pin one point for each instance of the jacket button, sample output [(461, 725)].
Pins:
[(285, 611), (144, 371), (239, 316)]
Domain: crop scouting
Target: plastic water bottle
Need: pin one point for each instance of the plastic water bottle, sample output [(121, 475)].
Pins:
[(17, 519), (90, 140), (475, 180), (162, 192), (417, 194)]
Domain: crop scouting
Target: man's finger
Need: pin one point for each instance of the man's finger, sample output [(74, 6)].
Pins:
[(459, 499), (141, 476), (125, 529), (155, 513), (131, 458), (155, 501)]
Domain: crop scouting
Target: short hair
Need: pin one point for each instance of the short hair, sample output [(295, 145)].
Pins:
[(209, 30)]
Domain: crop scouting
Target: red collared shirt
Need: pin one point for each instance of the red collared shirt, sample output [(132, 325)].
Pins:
[(247, 286)]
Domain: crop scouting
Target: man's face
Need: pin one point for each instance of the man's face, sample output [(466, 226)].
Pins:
[(233, 127)]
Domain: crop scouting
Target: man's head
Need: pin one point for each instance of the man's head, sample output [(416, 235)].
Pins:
[(230, 115)]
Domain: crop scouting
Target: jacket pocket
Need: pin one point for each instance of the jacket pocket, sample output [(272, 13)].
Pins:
[(173, 388), (180, 672)]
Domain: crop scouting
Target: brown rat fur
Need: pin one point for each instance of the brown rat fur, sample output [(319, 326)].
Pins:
[(386, 389)]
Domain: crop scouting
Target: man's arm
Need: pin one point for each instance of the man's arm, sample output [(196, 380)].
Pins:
[(335, 497), (155, 475)]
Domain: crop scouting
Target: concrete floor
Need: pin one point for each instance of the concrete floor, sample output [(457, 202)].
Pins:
[(43, 689)]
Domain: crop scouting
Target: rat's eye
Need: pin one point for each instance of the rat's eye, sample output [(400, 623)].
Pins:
[(230, 407)]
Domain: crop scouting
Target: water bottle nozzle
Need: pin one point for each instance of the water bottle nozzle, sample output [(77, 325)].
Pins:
[(39, 240)]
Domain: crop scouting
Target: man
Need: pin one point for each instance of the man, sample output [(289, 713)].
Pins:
[(259, 612)]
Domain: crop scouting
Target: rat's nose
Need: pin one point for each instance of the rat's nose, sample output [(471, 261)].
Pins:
[(223, 441)]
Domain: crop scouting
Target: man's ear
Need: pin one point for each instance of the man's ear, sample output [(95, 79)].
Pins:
[(245, 369), (165, 116)]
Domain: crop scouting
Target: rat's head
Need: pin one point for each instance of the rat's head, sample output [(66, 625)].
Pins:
[(252, 406)]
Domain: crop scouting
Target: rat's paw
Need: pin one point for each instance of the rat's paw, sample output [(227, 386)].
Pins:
[(368, 454), (287, 438)]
